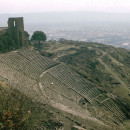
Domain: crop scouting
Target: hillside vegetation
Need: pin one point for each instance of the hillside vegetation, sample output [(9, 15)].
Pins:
[(17, 111), (39, 93), (106, 67)]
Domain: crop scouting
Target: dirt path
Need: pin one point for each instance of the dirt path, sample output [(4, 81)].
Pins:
[(111, 71), (41, 75), (84, 114)]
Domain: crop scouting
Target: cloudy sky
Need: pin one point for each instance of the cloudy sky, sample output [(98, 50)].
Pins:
[(27, 6)]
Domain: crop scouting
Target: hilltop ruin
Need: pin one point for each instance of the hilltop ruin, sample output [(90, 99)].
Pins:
[(12, 37), (16, 30)]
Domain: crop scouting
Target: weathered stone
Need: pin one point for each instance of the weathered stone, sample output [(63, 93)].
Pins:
[(16, 30), (77, 128)]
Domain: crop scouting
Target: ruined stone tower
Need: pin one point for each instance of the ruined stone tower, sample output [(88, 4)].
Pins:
[(16, 30)]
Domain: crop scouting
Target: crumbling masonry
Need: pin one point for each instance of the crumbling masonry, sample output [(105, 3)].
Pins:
[(16, 30)]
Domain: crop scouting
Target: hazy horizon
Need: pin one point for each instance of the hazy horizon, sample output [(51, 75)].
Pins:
[(108, 22), (69, 17), (105, 12), (30, 6)]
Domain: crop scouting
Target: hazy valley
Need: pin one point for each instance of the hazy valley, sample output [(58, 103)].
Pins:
[(60, 84), (107, 28)]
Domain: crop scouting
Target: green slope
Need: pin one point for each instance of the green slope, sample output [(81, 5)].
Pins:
[(106, 67), (18, 111)]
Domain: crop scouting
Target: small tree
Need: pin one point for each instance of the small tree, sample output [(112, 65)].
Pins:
[(26, 35), (39, 36), (8, 43)]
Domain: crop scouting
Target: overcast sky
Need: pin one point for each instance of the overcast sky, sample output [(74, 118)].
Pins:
[(28, 6)]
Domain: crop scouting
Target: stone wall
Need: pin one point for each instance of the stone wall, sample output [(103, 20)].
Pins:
[(16, 30)]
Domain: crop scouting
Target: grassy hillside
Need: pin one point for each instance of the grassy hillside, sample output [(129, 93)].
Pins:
[(17, 111), (105, 66)]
